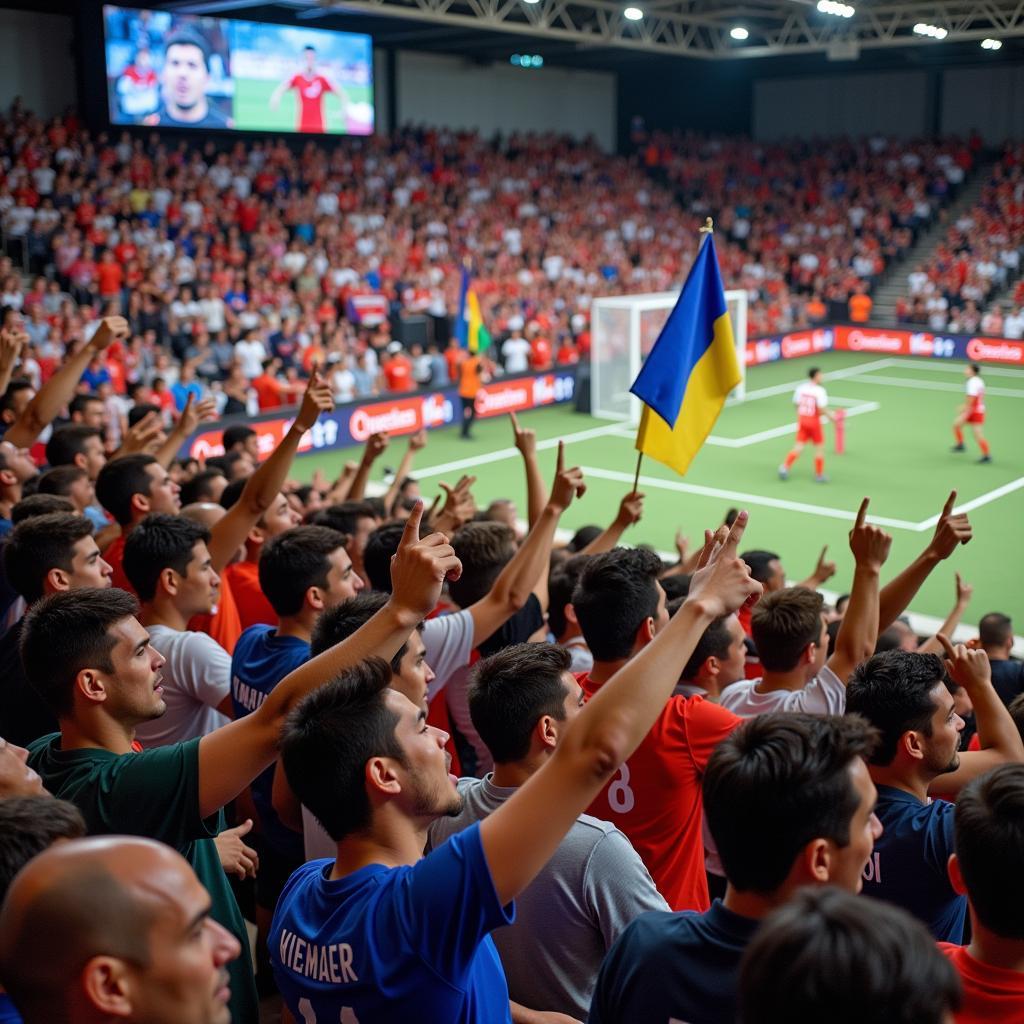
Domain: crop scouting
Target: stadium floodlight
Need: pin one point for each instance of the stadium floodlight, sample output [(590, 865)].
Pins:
[(924, 29), (837, 9), (991, 44), (633, 14), (739, 32)]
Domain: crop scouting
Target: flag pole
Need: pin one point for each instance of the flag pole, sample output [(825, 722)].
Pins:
[(636, 477)]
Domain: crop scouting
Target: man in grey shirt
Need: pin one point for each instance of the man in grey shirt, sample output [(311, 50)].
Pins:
[(521, 700)]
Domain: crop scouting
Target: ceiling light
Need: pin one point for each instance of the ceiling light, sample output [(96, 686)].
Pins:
[(739, 32), (839, 10), (531, 1), (632, 14), (991, 44), (933, 31)]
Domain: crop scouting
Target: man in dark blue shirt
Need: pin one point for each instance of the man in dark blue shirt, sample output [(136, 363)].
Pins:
[(383, 934), (302, 572), (790, 803), (905, 696), (995, 634)]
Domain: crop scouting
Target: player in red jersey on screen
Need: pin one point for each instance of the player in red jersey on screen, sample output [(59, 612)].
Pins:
[(811, 401), (972, 412), (310, 87)]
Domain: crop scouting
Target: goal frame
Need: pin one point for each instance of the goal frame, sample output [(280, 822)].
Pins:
[(602, 375)]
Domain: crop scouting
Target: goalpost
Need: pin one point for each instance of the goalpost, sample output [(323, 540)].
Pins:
[(623, 329)]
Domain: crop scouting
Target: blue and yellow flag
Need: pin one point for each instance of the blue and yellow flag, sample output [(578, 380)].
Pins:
[(470, 331), (690, 370)]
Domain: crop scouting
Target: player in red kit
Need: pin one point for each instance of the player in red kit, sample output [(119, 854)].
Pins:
[(811, 401), (972, 412), (310, 88)]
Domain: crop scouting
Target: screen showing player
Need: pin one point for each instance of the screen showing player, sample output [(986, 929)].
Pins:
[(185, 71)]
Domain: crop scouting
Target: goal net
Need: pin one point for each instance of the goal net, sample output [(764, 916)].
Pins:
[(623, 329)]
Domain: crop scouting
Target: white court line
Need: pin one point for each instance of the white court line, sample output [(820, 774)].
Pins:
[(933, 385), (786, 428), (785, 389), (980, 501), (936, 366), (510, 453), (750, 499)]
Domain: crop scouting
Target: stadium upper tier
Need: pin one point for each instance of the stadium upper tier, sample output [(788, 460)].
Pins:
[(190, 238)]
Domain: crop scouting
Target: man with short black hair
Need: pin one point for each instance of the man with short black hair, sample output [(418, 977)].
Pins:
[(717, 662), (830, 956), (364, 761), (46, 554), (995, 635), (989, 841), (905, 697), (240, 437), (29, 825), (522, 700), (790, 803), (70, 482)]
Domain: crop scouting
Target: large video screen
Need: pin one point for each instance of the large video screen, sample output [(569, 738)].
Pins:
[(173, 70)]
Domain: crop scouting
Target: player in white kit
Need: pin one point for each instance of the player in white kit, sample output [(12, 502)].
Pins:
[(811, 401), (972, 412)]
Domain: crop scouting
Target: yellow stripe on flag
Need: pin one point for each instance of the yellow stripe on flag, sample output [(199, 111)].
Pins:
[(715, 374)]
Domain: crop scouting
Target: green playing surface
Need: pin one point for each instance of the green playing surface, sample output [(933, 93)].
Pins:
[(252, 106), (898, 436)]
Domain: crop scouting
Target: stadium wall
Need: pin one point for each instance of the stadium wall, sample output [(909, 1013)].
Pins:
[(988, 100), (894, 103), (37, 61), (439, 89)]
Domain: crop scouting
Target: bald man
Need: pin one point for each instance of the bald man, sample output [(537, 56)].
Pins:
[(136, 940)]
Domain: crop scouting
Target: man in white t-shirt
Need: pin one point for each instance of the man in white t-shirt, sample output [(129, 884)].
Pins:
[(251, 352), (516, 353), (972, 412), (811, 401), (790, 631)]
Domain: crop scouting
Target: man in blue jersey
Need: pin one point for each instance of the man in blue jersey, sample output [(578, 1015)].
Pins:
[(302, 572), (789, 803), (906, 697), (382, 934)]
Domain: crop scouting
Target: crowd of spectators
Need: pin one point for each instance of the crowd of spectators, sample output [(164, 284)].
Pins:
[(446, 768), (240, 266), (971, 283)]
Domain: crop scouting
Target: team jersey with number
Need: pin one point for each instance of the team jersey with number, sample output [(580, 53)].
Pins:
[(810, 401), (311, 91), (655, 797), (975, 397), (393, 945)]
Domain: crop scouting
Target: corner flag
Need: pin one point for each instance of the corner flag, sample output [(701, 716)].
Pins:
[(690, 370)]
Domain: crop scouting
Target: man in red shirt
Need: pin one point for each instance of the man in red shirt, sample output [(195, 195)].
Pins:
[(269, 390), (310, 88), (989, 842), (397, 369), (655, 796), (540, 353)]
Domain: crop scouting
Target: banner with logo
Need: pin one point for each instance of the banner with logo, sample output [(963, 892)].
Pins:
[(884, 341), (353, 423)]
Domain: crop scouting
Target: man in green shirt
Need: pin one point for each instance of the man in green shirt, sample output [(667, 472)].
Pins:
[(92, 662)]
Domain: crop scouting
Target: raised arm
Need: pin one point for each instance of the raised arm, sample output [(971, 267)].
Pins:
[(521, 836), (950, 531), (859, 632), (458, 508), (1000, 741), (191, 416), (60, 388), (631, 510), (933, 645), (529, 565), (823, 572), (375, 447), (417, 442), (265, 484), (232, 756), (536, 493)]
